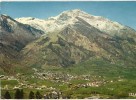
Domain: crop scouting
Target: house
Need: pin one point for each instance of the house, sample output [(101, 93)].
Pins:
[(132, 94), (1, 76), (16, 87)]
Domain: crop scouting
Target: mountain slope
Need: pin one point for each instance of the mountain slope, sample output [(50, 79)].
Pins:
[(13, 37), (79, 41), (70, 38)]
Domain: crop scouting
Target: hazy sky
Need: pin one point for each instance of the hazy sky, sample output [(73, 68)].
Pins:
[(122, 12)]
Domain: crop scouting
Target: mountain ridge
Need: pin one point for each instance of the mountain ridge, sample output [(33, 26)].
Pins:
[(70, 38), (69, 17), (13, 37), (82, 37)]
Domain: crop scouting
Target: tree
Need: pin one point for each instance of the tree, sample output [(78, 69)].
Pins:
[(38, 95), (31, 95), (7, 95), (17, 94), (21, 94)]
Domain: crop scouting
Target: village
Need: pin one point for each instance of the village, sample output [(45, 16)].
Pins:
[(55, 78)]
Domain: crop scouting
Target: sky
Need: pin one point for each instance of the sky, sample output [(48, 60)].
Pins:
[(122, 12)]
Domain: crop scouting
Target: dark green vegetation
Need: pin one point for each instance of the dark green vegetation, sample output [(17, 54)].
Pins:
[(7, 95), (76, 61)]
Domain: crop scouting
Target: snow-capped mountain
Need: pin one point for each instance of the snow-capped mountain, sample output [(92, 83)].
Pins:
[(75, 36), (70, 38), (71, 17)]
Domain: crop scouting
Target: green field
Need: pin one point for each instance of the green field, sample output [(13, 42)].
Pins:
[(123, 80)]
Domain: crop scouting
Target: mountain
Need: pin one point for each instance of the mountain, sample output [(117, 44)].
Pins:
[(71, 38), (72, 55), (75, 36), (14, 36), (70, 17)]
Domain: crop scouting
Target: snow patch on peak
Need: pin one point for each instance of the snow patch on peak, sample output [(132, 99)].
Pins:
[(103, 24), (5, 19), (4, 15), (69, 18), (75, 12), (66, 15), (26, 18)]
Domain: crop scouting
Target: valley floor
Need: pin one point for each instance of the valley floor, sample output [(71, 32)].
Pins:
[(55, 83)]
